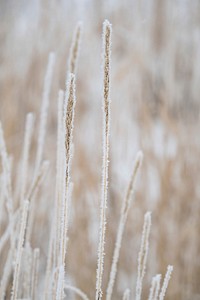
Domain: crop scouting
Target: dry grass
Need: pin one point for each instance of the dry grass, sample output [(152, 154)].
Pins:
[(155, 108)]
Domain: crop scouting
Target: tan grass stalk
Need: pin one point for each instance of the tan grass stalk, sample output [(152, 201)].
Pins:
[(74, 50), (77, 291), (70, 102), (25, 156), (155, 287), (142, 257), (34, 275), (123, 218), (126, 295), (44, 111), (19, 251), (107, 31), (166, 282)]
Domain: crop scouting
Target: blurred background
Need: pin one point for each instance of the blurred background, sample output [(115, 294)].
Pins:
[(155, 76)]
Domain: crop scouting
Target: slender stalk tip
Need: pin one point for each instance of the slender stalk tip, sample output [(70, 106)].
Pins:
[(148, 216), (52, 56), (140, 156), (80, 25), (106, 24)]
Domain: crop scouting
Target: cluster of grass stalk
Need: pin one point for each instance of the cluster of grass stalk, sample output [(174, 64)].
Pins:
[(21, 266)]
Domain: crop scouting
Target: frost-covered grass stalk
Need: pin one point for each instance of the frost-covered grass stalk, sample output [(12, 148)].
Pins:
[(107, 30), (19, 250), (69, 109), (38, 180), (75, 48), (34, 278), (5, 165), (77, 291), (123, 218), (64, 149), (142, 257), (60, 283), (2, 193), (26, 268), (155, 287), (58, 240), (55, 234), (126, 295), (50, 264), (25, 156), (6, 274), (5, 237), (59, 168), (6, 233), (166, 282), (7, 184), (44, 111), (42, 172)]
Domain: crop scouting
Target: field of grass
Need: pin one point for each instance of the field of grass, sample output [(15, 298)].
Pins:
[(99, 149)]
